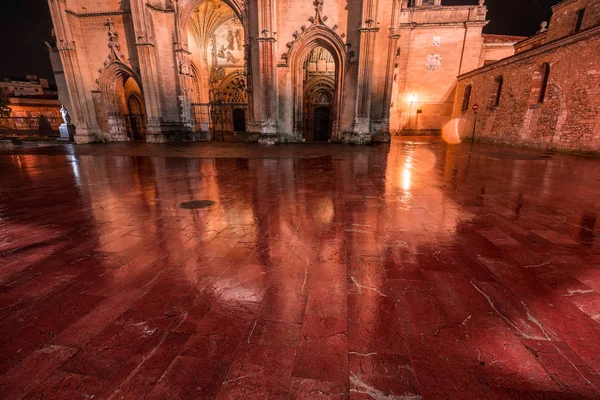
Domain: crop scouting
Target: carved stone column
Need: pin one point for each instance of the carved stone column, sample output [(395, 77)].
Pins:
[(368, 30), (83, 112), (268, 72), (147, 60), (182, 59), (389, 72)]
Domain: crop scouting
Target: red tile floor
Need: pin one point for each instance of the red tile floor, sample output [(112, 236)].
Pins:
[(403, 271)]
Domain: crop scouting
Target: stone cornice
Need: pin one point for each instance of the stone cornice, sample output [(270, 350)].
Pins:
[(442, 7), (266, 39), (536, 51), (160, 10), (562, 4), (100, 14), (414, 25)]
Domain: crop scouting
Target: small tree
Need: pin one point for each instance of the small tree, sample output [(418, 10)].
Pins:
[(5, 109)]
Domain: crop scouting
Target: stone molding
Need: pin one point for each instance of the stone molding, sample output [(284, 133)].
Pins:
[(160, 10), (317, 23), (536, 51), (562, 4), (100, 14)]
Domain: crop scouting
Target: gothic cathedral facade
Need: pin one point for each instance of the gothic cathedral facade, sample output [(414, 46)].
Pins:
[(267, 71)]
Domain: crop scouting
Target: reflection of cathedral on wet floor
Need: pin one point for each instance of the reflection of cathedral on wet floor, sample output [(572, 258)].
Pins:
[(283, 70)]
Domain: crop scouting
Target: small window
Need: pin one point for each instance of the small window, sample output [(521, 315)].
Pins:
[(498, 91), (466, 98), (546, 75), (580, 14)]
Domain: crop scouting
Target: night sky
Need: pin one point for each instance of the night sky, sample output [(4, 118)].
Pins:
[(25, 24)]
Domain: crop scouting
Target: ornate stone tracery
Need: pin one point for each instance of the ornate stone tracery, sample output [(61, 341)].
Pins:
[(233, 89), (113, 42), (317, 28), (115, 55)]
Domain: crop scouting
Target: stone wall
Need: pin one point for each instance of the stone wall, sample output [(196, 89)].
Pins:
[(568, 118), (436, 44), (564, 17)]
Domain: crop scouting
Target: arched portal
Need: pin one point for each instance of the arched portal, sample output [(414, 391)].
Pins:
[(216, 38), (122, 112), (319, 93), (136, 117), (317, 59)]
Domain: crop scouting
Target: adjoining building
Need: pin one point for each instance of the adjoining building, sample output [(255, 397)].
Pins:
[(547, 94), (34, 107), (268, 70), (28, 86)]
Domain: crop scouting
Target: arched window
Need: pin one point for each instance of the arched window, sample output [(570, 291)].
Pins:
[(466, 98), (497, 91), (239, 120), (545, 75)]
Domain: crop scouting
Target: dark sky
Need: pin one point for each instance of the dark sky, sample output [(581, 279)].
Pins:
[(25, 24)]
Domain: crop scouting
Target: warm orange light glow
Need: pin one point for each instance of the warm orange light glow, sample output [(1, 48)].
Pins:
[(452, 130), (407, 175)]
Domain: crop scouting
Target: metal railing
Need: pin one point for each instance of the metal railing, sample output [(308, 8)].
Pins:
[(30, 125), (220, 120)]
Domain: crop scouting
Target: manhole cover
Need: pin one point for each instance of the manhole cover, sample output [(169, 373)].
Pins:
[(195, 204)]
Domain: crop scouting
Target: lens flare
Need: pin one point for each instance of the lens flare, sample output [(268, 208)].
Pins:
[(452, 130)]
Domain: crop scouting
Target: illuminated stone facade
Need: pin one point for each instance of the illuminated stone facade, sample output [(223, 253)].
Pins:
[(264, 70), (547, 95)]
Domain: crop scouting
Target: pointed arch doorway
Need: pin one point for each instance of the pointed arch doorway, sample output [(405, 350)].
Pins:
[(136, 118), (121, 110), (318, 84), (216, 33)]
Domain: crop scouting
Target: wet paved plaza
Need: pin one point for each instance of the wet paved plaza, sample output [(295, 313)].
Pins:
[(403, 271)]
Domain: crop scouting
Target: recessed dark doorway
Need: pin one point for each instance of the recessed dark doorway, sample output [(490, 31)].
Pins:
[(135, 118), (322, 123), (239, 120)]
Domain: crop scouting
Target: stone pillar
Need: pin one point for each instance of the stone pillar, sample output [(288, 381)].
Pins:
[(268, 72), (368, 30), (82, 112), (147, 60), (392, 57), (182, 60)]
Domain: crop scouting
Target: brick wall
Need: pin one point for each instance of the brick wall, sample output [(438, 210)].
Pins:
[(569, 116), (564, 17)]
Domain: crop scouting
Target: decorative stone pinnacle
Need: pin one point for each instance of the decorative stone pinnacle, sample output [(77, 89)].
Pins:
[(318, 7)]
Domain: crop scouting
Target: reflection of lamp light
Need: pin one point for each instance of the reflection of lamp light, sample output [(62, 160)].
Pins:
[(412, 98), (407, 174)]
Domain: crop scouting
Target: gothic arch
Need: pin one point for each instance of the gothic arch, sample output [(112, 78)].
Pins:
[(115, 71), (187, 7), (197, 24), (233, 89), (317, 35), (196, 94), (115, 93)]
